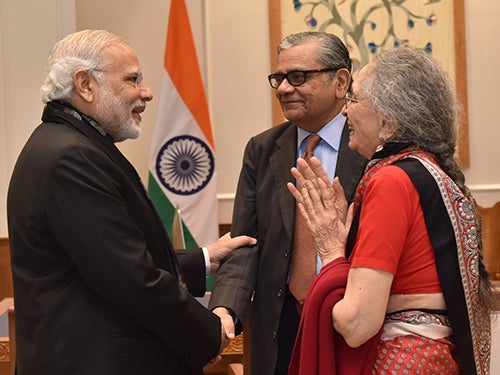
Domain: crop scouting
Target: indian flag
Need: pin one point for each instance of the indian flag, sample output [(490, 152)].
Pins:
[(182, 177)]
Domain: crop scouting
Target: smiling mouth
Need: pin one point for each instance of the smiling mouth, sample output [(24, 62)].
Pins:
[(137, 113), (139, 109), (291, 104)]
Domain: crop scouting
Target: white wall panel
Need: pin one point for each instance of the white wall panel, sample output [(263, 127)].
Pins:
[(29, 28)]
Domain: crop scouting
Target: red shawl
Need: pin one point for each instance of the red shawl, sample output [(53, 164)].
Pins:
[(319, 349)]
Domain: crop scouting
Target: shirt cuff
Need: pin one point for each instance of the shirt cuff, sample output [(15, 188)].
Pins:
[(207, 260)]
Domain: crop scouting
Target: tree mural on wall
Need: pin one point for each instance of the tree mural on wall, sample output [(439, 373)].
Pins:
[(369, 29)]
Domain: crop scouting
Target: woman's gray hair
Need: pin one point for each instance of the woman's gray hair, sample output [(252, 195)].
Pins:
[(409, 89), (332, 52), (80, 50)]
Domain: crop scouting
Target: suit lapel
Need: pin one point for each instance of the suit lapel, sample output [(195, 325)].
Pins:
[(280, 163)]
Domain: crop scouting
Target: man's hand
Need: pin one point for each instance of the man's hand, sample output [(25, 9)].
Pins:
[(223, 246), (227, 332)]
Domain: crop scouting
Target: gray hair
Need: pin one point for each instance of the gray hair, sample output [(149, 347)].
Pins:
[(409, 88), (80, 50), (332, 52)]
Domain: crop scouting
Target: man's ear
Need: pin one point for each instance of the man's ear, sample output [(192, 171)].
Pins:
[(85, 85), (343, 81)]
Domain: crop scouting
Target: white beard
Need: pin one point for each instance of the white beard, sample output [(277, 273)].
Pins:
[(114, 115)]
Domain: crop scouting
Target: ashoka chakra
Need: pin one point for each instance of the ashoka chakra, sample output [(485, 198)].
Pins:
[(185, 165)]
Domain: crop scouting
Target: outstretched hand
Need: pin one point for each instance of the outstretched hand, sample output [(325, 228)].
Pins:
[(223, 246), (324, 208)]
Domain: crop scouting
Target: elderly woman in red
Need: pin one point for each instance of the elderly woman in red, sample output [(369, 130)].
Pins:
[(402, 277)]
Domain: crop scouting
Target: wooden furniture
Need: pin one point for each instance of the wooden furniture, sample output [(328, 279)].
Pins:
[(6, 289), (232, 354), (8, 344), (490, 217)]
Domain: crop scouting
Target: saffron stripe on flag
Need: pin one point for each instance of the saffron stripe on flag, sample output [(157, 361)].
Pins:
[(180, 42)]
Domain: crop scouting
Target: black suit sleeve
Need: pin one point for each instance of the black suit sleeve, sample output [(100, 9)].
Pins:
[(192, 265)]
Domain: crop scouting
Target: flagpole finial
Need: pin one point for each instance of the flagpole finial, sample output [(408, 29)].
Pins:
[(178, 230)]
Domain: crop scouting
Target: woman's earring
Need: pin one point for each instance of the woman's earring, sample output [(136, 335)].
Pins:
[(381, 144)]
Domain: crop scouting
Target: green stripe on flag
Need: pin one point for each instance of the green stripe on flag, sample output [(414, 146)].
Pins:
[(166, 211)]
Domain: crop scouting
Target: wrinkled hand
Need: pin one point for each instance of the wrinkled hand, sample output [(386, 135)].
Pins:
[(223, 246), (227, 332), (324, 208)]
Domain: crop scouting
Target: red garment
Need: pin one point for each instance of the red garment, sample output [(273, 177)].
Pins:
[(315, 352), (393, 236), (416, 354)]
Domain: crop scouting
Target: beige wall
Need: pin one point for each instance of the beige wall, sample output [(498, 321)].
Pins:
[(232, 43), (28, 29)]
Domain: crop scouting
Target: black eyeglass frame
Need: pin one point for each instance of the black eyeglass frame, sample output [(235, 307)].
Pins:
[(280, 77)]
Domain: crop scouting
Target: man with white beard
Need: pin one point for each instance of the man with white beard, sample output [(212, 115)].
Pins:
[(98, 287)]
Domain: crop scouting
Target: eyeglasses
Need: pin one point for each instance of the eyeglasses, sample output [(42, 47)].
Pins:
[(294, 77), (348, 98), (135, 77)]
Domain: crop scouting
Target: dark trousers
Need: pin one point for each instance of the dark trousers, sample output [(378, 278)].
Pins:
[(289, 325)]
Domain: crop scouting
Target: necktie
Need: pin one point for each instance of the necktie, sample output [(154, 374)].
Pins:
[(303, 254)]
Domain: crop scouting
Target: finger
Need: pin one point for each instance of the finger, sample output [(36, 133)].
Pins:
[(302, 199), (229, 326), (327, 195), (311, 208), (295, 192), (306, 171), (338, 189), (226, 236), (215, 360), (240, 241), (318, 170), (311, 199), (299, 179), (350, 216)]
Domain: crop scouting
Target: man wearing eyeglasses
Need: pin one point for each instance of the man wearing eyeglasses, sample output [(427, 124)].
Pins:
[(311, 80)]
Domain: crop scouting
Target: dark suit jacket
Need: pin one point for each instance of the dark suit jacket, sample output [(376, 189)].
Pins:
[(95, 277), (265, 209)]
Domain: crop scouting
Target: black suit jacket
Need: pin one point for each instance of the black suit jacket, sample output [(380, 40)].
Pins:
[(96, 281), (265, 209)]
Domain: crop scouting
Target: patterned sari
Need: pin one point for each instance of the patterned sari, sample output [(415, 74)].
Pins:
[(417, 341)]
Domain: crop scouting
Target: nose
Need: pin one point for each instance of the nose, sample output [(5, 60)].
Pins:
[(145, 92), (284, 87)]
